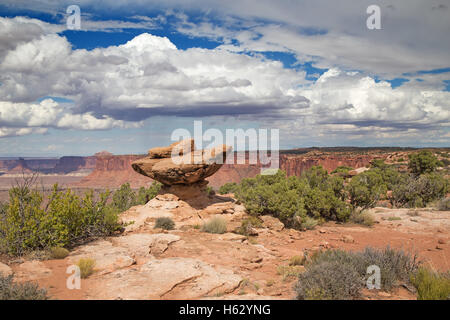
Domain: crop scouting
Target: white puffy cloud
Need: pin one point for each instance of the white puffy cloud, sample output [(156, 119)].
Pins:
[(27, 118), (148, 72), (119, 86), (340, 97)]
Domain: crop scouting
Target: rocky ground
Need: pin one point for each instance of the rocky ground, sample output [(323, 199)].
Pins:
[(186, 263)]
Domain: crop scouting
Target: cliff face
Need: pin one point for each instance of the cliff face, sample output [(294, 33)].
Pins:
[(293, 165), (63, 165), (296, 165), (112, 171), (105, 170), (70, 164)]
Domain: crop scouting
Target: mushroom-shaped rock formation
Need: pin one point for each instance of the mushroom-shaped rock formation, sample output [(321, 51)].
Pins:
[(180, 166)]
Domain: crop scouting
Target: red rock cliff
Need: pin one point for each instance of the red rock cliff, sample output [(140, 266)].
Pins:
[(112, 171)]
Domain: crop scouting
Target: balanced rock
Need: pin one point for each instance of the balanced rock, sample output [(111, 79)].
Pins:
[(181, 164)]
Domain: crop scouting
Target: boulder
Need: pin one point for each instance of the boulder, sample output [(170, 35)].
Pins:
[(179, 163), (272, 223)]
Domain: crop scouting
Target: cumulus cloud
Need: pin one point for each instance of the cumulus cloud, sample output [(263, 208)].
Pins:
[(148, 72), (26, 118), (119, 86), (340, 97)]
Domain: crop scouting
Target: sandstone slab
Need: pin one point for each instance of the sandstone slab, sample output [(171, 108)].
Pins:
[(107, 257), (170, 278), (32, 270)]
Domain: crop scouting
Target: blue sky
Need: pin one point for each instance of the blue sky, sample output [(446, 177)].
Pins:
[(137, 71)]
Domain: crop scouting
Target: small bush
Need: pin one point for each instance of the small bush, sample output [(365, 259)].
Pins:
[(329, 280), (289, 271), (418, 191), (366, 189), (296, 260), (215, 225), (270, 282), (431, 285), (86, 266), (308, 223), (9, 290), (164, 223), (394, 218), (422, 162), (337, 274), (363, 218), (229, 187), (124, 198), (59, 253), (144, 195)]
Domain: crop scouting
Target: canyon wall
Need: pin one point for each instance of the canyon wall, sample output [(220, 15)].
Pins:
[(111, 171), (293, 165), (105, 170)]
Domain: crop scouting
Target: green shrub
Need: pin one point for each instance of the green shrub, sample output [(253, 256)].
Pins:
[(10, 290), (124, 198), (342, 170), (337, 274), (59, 253), (308, 223), (431, 285), (164, 223), (229, 187), (378, 163), (366, 189), (86, 266), (418, 191), (215, 225), (66, 219), (144, 195), (422, 162), (330, 280), (315, 195)]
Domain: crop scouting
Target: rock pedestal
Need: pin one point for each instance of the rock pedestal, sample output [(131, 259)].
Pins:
[(180, 168)]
